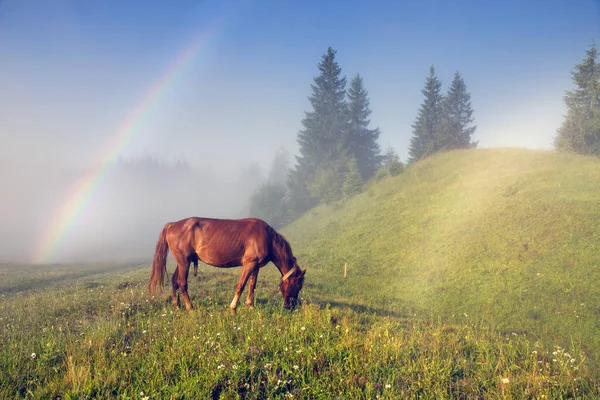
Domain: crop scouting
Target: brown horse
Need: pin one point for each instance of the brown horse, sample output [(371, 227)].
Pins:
[(225, 243)]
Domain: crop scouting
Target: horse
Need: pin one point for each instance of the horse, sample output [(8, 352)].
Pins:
[(225, 243)]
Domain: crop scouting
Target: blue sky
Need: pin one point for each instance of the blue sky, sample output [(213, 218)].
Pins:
[(71, 71)]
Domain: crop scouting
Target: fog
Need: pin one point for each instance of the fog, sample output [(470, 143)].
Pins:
[(98, 94), (125, 210)]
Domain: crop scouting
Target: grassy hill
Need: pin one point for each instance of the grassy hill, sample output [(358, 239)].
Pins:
[(473, 274), (506, 236)]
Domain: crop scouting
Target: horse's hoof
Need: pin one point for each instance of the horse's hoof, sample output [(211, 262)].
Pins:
[(250, 306), (232, 311)]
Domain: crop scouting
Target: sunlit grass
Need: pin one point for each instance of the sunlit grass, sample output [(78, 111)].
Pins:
[(106, 338), (509, 237)]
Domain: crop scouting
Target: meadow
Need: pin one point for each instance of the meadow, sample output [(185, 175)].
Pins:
[(472, 275)]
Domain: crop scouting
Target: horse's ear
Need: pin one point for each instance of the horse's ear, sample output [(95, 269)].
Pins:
[(303, 272)]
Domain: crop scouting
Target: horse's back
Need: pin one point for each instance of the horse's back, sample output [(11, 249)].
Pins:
[(221, 242)]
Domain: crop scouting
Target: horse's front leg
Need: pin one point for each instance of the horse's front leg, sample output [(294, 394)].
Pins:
[(251, 287), (247, 270)]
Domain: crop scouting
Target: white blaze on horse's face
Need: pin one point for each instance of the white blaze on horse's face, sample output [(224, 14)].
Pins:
[(290, 288)]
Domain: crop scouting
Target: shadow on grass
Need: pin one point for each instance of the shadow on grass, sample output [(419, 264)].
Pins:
[(362, 308)]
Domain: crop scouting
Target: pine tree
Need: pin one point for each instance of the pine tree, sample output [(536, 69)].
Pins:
[(352, 180), (326, 186), (300, 198), (456, 130), (392, 162), (269, 204), (362, 140), (323, 140), (580, 131), (279, 167), (426, 127)]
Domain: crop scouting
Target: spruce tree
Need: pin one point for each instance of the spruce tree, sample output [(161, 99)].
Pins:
[(352, 180), (427, 124), (392, 162), (580, 131), (326, 186), (456, 129), (323, 140), (362, 140), (269, 204), (279, 167)]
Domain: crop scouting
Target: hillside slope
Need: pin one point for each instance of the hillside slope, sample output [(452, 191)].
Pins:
[(507, 237)]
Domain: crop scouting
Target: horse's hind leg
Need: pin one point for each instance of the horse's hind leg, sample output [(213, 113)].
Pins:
[(196, 267), (183, 268), (174, 287)]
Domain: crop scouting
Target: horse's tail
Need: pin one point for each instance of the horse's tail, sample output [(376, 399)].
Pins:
[(159, 266)]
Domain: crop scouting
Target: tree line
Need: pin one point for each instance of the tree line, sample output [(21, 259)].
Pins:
[(339, 150), (580, 130)]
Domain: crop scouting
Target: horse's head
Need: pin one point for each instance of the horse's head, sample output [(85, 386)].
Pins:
[(290, 286)]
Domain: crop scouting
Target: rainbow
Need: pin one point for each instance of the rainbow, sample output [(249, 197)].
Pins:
[(83, 190)]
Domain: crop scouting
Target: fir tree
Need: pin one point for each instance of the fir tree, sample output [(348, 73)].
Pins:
[(580, 131), (426, 127), (323, 140), (456, 130), (300, 197), (279, 167), (269, 204), (326, 186), (362, 140), (392, 162), (352, 180)]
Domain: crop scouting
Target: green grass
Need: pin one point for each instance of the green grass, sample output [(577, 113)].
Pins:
[(472, 275), (104, 338), (509, 237)]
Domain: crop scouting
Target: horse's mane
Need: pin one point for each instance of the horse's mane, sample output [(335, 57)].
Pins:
[(281, 246)]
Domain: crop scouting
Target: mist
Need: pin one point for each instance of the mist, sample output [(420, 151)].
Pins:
[(72, 74), (126, 209)]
